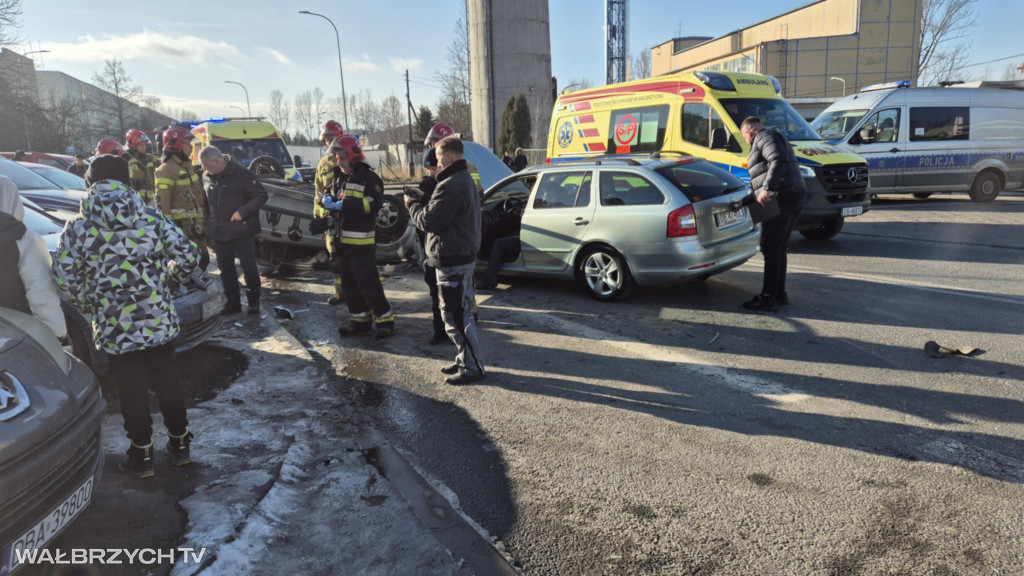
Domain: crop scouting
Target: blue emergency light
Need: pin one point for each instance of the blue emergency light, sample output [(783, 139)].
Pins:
[(716, 81), (886, 86)]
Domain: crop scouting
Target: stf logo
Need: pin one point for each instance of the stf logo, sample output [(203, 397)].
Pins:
[(565, 134)]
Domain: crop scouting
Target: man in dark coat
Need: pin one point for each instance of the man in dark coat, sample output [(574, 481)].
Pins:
[(79, 166), (774, 177), (519, 162), (232, 214)]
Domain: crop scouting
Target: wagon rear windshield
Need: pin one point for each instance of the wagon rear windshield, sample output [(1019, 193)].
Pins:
[(701, 180)]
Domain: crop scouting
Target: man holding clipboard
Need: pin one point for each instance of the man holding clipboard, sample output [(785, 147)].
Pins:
[(778, 195)]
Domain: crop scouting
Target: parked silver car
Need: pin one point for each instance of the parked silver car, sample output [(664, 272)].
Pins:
[(51, 415), (615, 223)]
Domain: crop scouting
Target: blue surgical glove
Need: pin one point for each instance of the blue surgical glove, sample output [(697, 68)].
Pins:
[(330, 203)]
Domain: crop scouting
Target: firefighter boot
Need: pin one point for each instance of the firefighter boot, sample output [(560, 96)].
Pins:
[(178, 448), (234, 305), (357, 325), (385, 326), (138, 461)]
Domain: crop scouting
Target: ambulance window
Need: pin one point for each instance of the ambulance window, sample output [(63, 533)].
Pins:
[(699, 120), (939, 123), (637, 129)]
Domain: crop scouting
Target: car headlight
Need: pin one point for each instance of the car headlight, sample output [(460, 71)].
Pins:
[(807, 172)]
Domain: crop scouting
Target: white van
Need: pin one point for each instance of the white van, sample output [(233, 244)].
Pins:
[(961, 138)]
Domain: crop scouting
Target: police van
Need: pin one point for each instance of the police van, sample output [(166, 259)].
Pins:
[(699, 114), (961, 138)]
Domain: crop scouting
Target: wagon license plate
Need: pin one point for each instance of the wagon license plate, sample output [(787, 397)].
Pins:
[(854, 211), (726, 219), (211, 307), (47, 528)]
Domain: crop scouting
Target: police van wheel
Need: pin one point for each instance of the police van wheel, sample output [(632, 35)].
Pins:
[(922, 195), (986, 187), (824, 231), (604, 274)]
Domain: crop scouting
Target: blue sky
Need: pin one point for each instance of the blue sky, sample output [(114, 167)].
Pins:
[(266, 45)]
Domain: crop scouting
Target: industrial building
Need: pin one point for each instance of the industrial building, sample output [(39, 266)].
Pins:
[(827, 48)]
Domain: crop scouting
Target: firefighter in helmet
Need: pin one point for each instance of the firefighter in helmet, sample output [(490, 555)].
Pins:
[(323, 182), (437, 132), (179, 190), (141, 165), (109, 146), (353, 202)]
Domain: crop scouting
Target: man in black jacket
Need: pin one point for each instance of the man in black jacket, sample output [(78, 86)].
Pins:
[(425, 190), (774, 177), (232, 214), (354, 200), (79, 167), (451, 221)]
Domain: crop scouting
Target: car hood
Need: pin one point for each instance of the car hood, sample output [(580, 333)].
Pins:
[(51, 243), (489, 167)]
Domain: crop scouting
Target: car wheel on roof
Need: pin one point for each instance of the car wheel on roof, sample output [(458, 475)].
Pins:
[(604, 274), (392, 219), (266, 166)]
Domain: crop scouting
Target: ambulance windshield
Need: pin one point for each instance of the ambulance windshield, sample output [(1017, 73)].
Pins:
[(774, 112), (245, 151)]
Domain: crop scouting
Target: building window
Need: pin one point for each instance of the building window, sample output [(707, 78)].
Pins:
[(939, 123)]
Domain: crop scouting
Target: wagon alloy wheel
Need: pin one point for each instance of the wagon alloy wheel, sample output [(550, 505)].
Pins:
[(605, 275), (387, 215)]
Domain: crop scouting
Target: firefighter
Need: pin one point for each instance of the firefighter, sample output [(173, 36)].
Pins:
[(354, 200), (141, 165), (323, 182), (437, 132), (179, 190), (109, 146)]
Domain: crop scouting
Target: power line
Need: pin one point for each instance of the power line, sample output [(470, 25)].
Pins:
[(991, 61)]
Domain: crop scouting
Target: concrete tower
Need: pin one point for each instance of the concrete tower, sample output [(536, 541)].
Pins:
[(509, 52)]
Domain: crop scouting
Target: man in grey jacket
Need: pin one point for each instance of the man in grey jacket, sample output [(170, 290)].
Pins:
[(774, 177), (451, 221)]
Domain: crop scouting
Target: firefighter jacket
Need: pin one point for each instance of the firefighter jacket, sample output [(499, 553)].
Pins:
[(322, 182), (179, 194), (354, 202), (114, 262), (142, 173)]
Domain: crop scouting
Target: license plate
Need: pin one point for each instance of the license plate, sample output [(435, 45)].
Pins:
[(46, 529), (855, 211), (726, 219), (211, 308)]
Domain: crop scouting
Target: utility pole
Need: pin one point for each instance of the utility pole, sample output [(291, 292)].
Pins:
[(408, 112)]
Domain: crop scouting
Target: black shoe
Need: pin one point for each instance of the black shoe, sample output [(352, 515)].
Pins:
[(355, 328), (465, 378), (253, 309), (453, 369), (761, 303), (385, 330), (234, 306), (782, 299), (138, 462), (439, 339), (486, 285), (334, 301), (178, 449)]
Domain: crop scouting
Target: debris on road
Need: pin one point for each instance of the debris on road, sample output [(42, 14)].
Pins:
[(936, 350)]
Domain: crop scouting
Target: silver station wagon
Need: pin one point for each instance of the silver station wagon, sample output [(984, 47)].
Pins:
[(614, 223)]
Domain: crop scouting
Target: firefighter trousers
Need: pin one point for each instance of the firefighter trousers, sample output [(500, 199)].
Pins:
[(363, 290), (334, 254)]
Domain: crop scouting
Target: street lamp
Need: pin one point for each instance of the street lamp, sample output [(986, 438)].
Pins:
[(239, 108), (841, 80), (341, 72), (246, 94)]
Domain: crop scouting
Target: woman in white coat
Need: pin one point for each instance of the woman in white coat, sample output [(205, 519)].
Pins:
[(26, 280)]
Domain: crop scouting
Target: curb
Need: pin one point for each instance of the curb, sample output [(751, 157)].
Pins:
[(449, 526)]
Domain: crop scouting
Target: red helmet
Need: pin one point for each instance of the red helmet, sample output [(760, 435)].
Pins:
[(331, 131), (350, 146), (175, 137), (437, 132), (133, 137), (109, 146)]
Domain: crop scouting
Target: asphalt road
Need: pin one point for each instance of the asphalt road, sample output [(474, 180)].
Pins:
[(677, 434)]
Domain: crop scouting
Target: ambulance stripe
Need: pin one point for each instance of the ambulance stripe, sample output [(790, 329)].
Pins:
[(585, 119), (581, 133), (591, 133), (596, 147), (581, 106), (585, 148)]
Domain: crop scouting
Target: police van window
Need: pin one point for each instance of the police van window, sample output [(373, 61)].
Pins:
[(997, 124), (562, 190), (884, 126), (939, 123), (637, 129), (626, 189)]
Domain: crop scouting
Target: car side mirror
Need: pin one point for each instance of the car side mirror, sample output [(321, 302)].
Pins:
[(719, 139), (298, 161)]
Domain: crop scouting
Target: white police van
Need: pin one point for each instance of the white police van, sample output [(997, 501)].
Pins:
[(958, 138)]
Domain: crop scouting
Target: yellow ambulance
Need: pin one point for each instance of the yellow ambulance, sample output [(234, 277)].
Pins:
[(699, 114), (245, 139)]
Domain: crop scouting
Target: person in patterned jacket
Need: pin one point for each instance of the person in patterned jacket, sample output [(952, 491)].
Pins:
[(113, 263)]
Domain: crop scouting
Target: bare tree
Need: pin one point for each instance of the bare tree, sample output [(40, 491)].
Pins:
[(453, 107), (575, 84), (151, 101), (1013, 72), (10, 10), (944, 42), (64, 117), (321, 109), (119, 109), (640, 65), (392, 114), (366, 113), (280, 111), (304, 118)]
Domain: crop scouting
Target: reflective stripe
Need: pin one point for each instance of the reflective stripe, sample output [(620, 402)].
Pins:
[(164, 181), (358, 241), (175, 215), (366, 205), (184, 182), (353, 234), (354, 194), (354, 186)]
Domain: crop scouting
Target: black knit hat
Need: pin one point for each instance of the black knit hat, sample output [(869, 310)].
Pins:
[(107, 167)]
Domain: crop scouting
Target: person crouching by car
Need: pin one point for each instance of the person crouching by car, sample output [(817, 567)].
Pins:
[(114, 262), (424, 191), (232, 212), (26, 283)]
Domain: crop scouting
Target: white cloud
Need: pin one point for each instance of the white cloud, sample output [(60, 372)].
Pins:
[(277, 56), (403, 64), (144, 46), (364, 64)]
